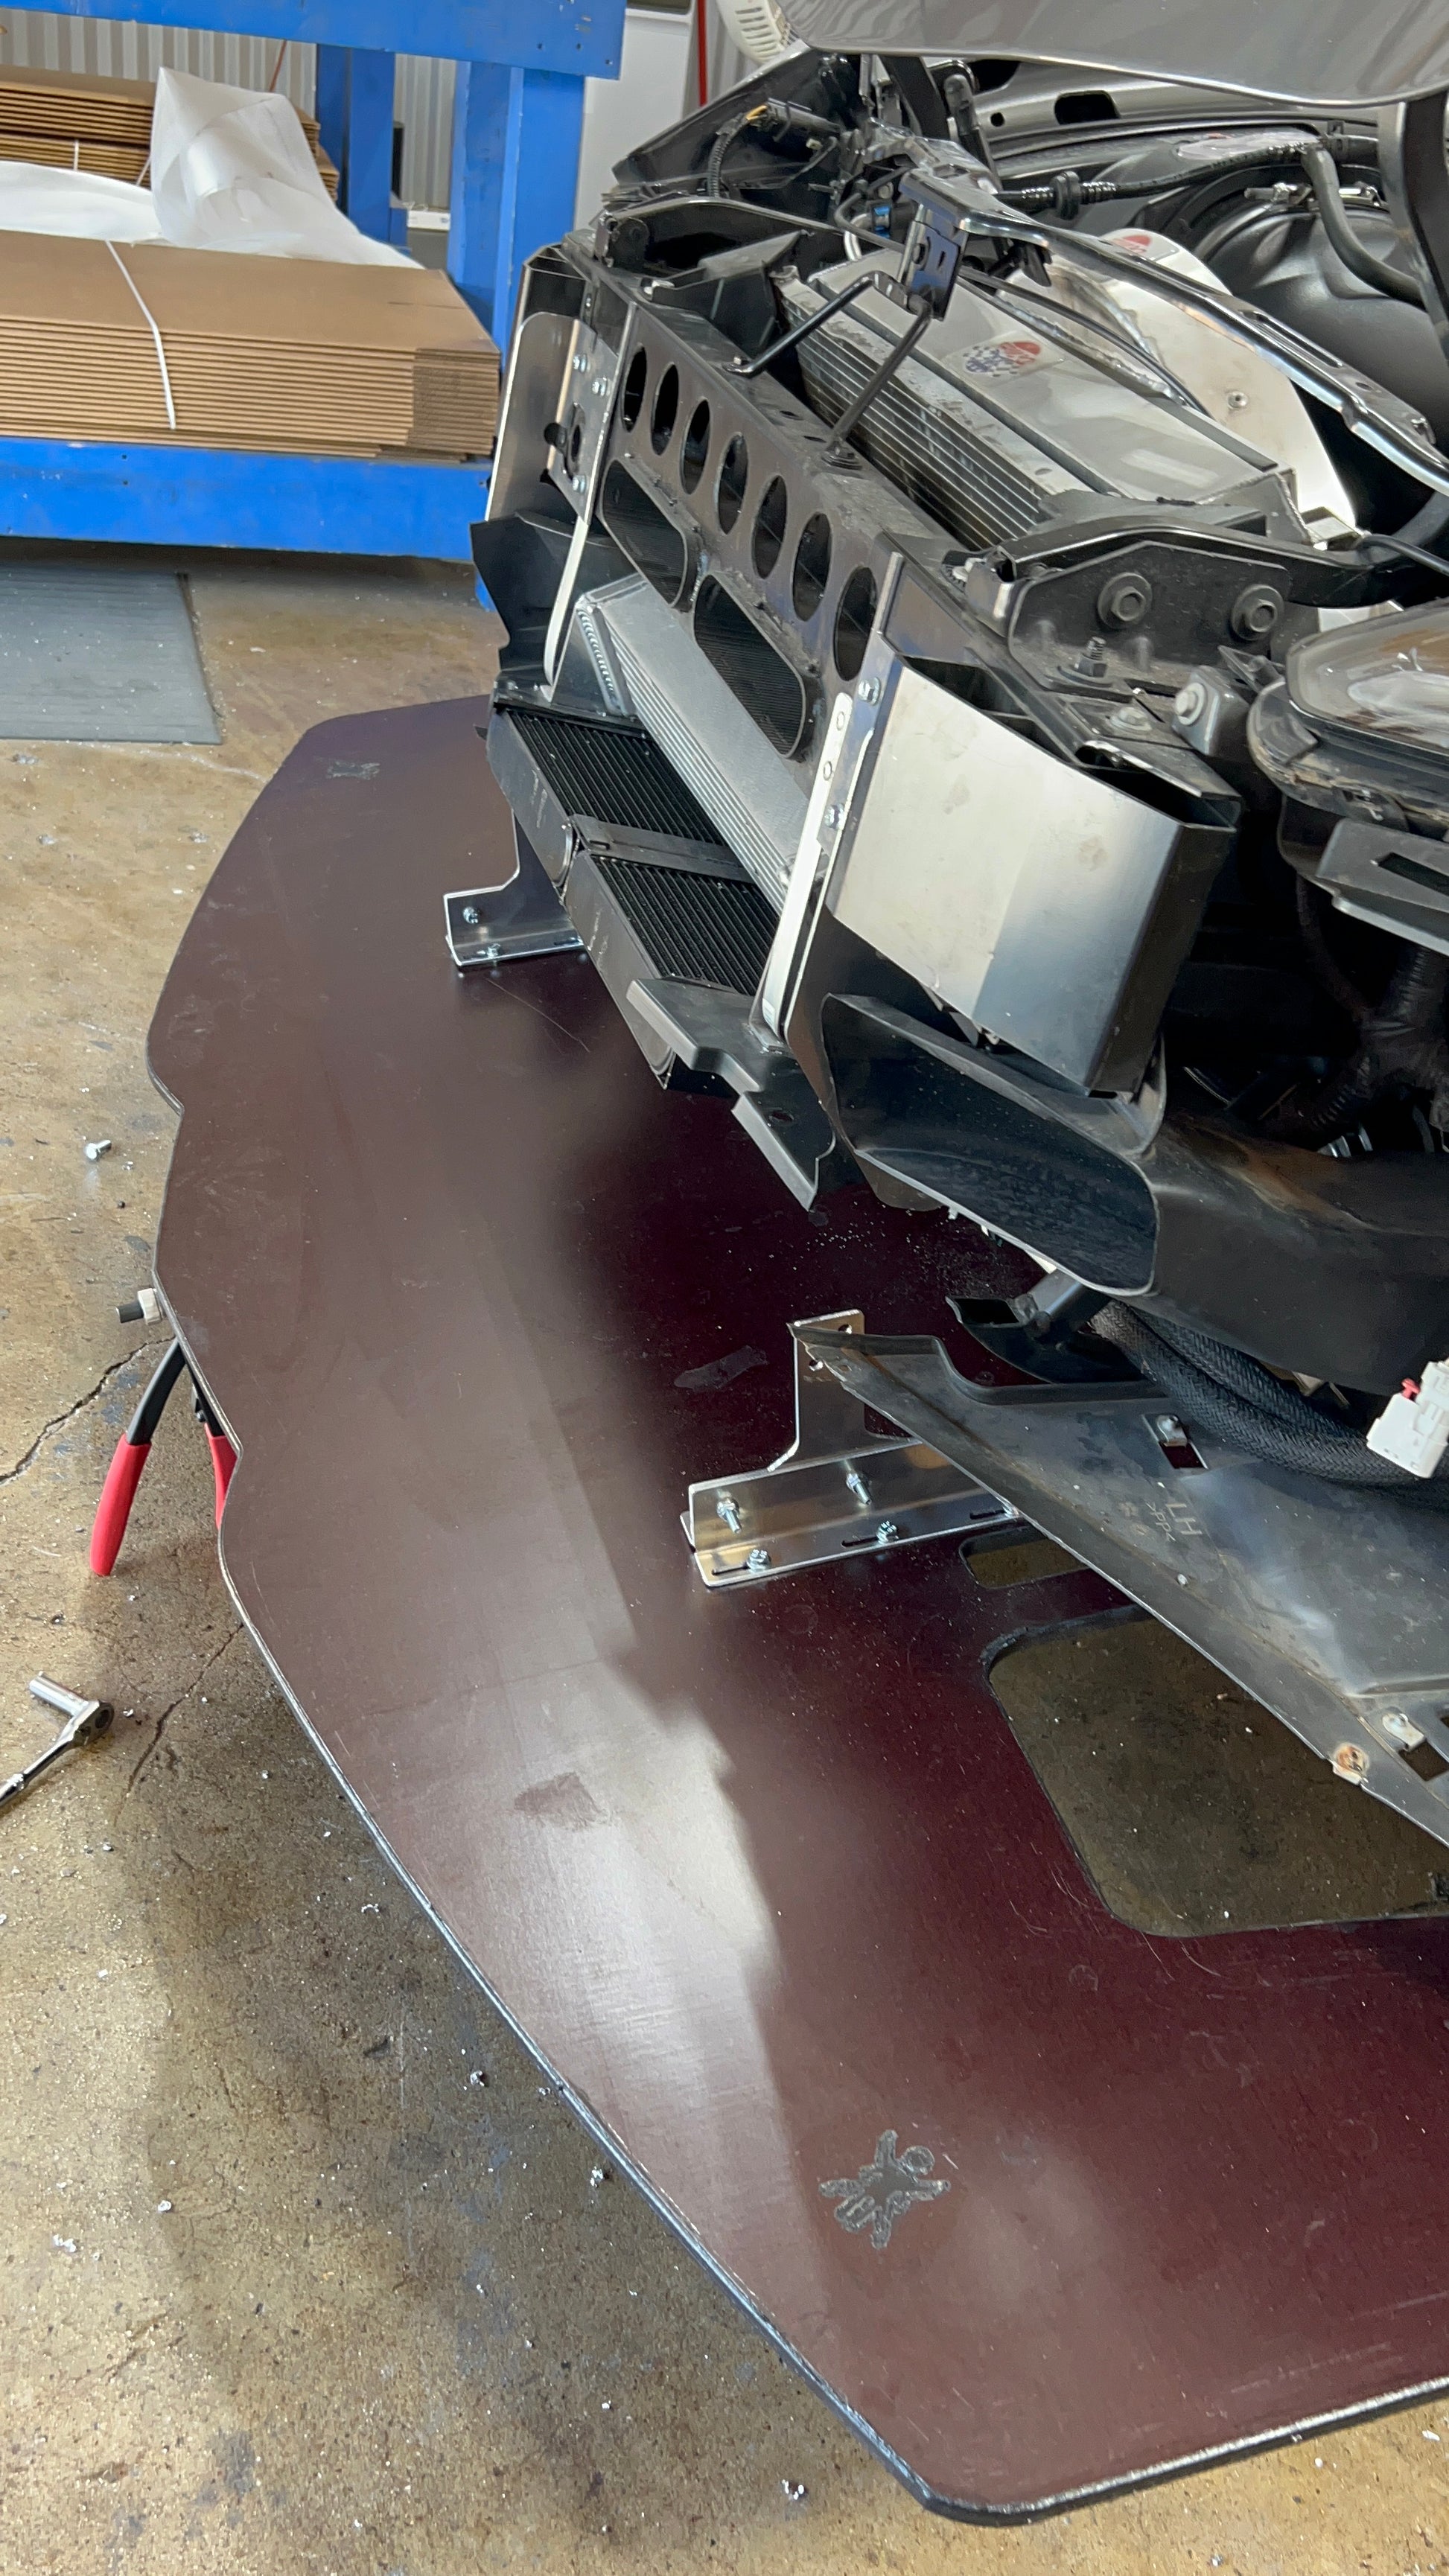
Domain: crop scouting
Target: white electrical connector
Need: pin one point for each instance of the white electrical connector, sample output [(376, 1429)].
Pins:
[(1413, 1428)]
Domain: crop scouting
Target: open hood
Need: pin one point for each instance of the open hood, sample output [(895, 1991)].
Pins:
[(1316, 53)]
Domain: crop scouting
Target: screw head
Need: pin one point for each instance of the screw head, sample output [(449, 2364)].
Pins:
[(869, 692), (832, 818), (1351, 1763), (470, 915), (1237, 402), (728, 1510)]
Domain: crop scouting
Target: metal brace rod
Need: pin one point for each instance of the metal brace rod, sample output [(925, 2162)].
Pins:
[(799, 331)]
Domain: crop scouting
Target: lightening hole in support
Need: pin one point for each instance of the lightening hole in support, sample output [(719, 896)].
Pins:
[(734, 476), (694, 454), (854, 619), (812, 565), (632, 402), (769, 535), (665, 412)]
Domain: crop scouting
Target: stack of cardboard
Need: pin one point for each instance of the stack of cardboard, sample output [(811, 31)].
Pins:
[(262, 353), (88, 121)]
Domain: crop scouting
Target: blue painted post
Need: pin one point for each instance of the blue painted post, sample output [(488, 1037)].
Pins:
[(333, 89), (515, 174), (355, 92), (369, 142)]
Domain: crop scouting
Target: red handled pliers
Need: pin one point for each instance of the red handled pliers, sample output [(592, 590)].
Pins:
[(134, 1448)]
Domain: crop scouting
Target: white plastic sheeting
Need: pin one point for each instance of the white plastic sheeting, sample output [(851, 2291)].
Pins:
[(75, 202), (231, 170)]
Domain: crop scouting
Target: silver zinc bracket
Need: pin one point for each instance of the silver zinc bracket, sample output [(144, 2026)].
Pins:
[(489, 925), (839, 1490)]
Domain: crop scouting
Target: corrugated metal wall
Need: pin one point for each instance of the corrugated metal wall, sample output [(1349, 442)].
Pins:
[(424, 89)]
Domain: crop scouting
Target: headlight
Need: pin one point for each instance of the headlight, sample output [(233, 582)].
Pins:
[(1389, 676)]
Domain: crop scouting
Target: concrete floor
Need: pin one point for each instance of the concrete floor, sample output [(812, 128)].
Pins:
[(302, 2271)]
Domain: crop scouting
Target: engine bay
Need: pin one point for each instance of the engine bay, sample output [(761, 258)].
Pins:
[(978, 680)]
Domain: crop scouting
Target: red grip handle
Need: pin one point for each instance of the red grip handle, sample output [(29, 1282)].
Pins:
[(114, 1508), (223, 1463)]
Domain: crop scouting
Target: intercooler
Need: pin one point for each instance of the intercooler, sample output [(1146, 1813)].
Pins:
[(996, 424), (747, 791), (930, 441)]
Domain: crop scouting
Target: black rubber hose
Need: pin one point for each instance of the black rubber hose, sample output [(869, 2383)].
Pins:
[(1333, 215), (1224, 1392)]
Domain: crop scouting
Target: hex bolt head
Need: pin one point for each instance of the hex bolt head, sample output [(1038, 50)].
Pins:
[(1351, 1763), (885, 1532), (1125, 599), (728, 1510), (1190, 703), (831, 818), (1255, 612), (758, 1560)]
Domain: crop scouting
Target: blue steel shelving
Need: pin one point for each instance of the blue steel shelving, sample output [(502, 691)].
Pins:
[(522, 65)]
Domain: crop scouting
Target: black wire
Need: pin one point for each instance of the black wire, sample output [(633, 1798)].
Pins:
[(1355, 255)]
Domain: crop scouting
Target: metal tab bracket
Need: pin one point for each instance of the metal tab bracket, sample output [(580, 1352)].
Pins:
[(839, 1488), (489, 925)]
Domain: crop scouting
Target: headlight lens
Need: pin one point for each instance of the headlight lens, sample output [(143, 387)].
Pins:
[(1389, 676)]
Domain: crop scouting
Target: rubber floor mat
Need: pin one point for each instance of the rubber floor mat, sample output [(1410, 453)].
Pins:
[(99, 653)]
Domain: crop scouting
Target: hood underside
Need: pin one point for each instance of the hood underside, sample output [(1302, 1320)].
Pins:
[(1317, 53)]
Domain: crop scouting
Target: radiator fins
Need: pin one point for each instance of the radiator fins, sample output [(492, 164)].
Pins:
[(613, 773), (697, 929)]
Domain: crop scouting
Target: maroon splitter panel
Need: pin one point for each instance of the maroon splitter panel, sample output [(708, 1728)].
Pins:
[(761, 1877)]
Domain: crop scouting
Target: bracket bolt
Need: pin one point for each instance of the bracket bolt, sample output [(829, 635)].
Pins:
[(471, 915), (728, 1510), (758, 1560), (885, 1532), (855, 1484), (831, 818), (869, 692), (1168, 1428), (1351, 1762), (488, 953)]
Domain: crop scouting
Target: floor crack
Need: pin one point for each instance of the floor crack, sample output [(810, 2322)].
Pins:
[(179, 1701), (9, 1474)]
